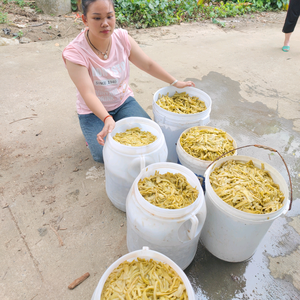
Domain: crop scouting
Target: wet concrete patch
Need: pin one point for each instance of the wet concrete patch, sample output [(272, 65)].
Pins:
[(253, 123), (264, 276), (260, 277)]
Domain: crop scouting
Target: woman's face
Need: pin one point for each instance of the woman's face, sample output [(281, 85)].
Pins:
[(100, 18)]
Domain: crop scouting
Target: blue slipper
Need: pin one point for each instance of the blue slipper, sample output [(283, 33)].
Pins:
[(286, 48)]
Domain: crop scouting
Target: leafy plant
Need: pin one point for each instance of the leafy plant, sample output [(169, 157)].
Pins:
[(261, 4), (38, 10), (3, 18), (74, 5), (20, 34), (227, 9), (21, 3), (152, 13), (219, 23)]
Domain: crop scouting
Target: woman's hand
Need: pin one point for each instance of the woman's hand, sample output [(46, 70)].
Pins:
[(109, 125), (182, 84)]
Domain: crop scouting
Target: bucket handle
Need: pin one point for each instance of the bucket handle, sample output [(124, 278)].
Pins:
[(266, 148), (193, 230), (137, 164), (142, 162)]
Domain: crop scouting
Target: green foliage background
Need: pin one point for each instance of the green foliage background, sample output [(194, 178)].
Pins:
[(153, 13), (74, 5)]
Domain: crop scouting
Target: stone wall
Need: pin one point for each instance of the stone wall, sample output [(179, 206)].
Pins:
[(54, 7)]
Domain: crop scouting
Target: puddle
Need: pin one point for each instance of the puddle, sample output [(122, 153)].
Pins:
[(249, 124), (253, 123)]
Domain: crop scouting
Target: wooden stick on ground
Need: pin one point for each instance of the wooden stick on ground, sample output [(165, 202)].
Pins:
[(58, 236), (22, 119), (78, 281)]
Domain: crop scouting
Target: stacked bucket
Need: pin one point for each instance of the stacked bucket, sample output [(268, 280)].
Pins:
[(172, 235)]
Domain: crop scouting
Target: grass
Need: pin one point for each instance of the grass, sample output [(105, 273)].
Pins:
[(3, 17)]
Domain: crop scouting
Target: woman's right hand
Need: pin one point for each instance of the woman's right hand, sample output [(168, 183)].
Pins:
[(109, 125)]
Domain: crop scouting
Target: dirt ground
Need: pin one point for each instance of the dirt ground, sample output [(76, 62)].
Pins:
[(56, 220), (32, 26)]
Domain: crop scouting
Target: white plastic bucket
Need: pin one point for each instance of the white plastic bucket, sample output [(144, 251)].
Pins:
[(173, 232), (198, 166), (233, 235), (173, 124), (147, 254), (123, 163)]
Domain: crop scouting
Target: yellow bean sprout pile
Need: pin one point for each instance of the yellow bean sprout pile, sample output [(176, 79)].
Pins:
[(246, 187), (206, 144), (144, 280), (170, 191), (135, 137), (181, 103)]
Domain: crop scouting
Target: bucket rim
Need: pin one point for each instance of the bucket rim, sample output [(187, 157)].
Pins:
[(147, 254), (172, 90), (145, 149), (245, 216), (198, 160), (163, 212)]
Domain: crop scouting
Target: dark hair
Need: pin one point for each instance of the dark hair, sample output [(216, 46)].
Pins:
[(84, 4)]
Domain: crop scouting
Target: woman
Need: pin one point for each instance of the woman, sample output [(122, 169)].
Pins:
[(290, 23), (98, 63)]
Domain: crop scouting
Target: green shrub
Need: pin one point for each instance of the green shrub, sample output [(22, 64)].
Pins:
[(74, 5), (3, 17), (153, 13), (227, 9), (262, 4), (21, 3)]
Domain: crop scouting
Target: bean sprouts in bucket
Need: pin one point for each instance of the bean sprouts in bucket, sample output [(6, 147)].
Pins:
[(174, 123), (206, 143), (169, 191), (232, 234), (135, 137), (181, 103), (144, 279), (151, 264)]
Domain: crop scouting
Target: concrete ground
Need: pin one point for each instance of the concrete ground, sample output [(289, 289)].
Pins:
[(57, 222)]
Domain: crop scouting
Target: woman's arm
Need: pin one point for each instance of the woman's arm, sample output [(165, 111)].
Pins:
[(145, 63), (80, 77)]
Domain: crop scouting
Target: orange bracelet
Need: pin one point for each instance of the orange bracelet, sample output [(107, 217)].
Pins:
[(106, 118)]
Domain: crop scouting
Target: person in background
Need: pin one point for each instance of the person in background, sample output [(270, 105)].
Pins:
[(97, 61), (290, 22)]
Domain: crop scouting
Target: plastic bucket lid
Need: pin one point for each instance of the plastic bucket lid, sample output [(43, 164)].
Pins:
[(241, 215), (147, 254)]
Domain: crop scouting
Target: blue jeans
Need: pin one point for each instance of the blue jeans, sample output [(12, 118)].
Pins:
[(91, 125)]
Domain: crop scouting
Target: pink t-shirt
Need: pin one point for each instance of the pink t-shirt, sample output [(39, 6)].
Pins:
[(110, 77)]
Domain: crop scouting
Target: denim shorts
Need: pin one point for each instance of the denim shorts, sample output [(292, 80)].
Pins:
[(91, 125)]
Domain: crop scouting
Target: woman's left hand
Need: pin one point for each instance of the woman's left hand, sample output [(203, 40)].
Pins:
[(182, 84)]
